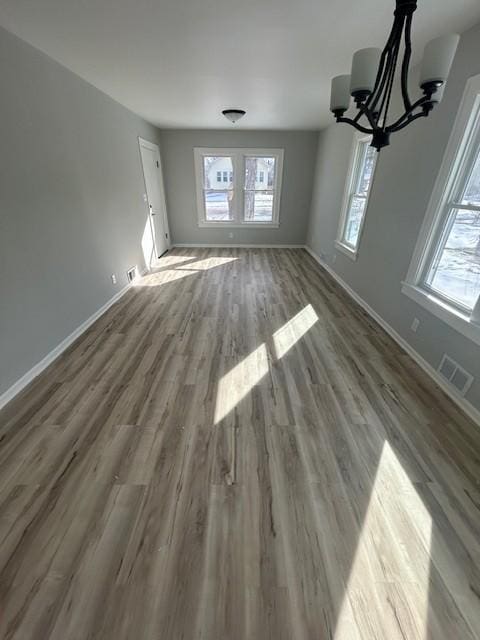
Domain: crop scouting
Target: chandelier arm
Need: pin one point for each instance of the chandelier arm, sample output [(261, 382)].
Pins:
[(419, 103), (410, 119), (377, 89), (385, 104), (406, 62), (355, 124), (365, 111), (383, 68), (381, 87)]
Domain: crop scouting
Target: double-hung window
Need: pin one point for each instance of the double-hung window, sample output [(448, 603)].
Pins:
[(249, 192), (357, 190), (444, 275)]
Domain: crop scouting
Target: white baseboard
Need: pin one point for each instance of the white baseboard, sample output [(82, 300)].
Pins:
[(20, 384), (459, 400), (238, 246)]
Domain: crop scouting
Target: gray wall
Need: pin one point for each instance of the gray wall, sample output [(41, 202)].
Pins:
[(179, 175), (403, 183), (71, 208)]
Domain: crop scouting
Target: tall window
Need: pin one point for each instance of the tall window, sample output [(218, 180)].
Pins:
[(359, 181), (242, 198), (217, 195), (444, 275), (258, 197)]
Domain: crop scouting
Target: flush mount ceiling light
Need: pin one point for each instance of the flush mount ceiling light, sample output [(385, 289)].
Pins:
[(373, 74), (233, 114)]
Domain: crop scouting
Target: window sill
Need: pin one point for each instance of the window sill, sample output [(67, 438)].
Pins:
[(236, 225), (345, 249), (451, 316)]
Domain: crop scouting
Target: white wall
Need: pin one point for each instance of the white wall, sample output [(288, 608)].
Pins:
[(403, 182), (71, 207)]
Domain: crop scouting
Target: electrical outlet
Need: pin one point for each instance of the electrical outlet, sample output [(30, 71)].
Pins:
[(114, 278), (334, 257), (230, 235), (415, 325)]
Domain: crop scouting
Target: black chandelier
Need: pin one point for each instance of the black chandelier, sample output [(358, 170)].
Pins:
[(372, 79)]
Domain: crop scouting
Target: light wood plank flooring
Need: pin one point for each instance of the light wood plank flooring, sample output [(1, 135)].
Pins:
[(235, 450)]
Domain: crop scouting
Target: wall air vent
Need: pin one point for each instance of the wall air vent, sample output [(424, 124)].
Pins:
[(453, 373), (132, 274)]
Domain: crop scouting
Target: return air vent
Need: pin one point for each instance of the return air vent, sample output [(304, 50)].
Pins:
[(132, 274), (455, 375)]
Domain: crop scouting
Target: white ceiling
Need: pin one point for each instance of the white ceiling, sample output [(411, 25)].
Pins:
[(178, 63)]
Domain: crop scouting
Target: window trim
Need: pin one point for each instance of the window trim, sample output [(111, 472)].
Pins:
[(238, 155), (451, 174), (340, 244)]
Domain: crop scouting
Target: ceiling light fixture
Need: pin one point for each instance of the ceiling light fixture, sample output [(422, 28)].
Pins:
[(233, 114), (373, 74)]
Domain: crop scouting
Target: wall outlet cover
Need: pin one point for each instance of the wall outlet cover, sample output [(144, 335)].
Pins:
[(415, 325), (114, 278)]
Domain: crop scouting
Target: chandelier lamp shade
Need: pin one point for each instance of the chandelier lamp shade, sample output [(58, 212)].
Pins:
[(373, 77)]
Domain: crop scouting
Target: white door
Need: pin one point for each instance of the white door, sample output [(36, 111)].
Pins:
[(155, 195)]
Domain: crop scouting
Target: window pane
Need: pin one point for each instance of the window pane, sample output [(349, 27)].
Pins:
[(258, 206), (217, 172), (218, 205), (472, 190), (354, 220), (259, 173), (456, 268), (366, 169)]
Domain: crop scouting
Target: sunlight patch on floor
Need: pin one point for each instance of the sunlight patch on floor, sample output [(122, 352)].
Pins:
[(293, 330), (171, 260), (235, 385), (208, 263), (171, 268), (392, 558)]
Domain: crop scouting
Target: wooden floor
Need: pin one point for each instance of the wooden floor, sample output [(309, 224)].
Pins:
[(236, 451)]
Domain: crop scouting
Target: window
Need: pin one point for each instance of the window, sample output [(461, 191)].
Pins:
[(218, 197), (238, 187), (258, 198), (359, 182), (444, 275)]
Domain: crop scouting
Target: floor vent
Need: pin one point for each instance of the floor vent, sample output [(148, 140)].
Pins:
[(132, 274), (455, 375)]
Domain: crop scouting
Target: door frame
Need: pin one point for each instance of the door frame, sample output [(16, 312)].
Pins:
[(142, 142)]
